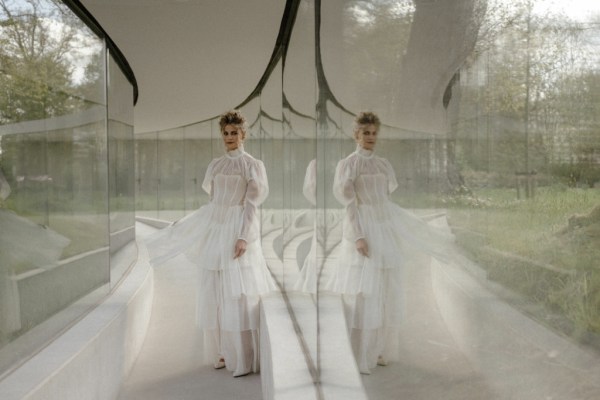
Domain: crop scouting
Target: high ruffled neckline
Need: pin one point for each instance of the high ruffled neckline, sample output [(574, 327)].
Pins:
[(363, 152), (236, 153)]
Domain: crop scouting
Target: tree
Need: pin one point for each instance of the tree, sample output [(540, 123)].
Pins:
[(38, 39), (376, 34), (526, 62)]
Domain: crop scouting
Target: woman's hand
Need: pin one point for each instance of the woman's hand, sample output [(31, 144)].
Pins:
[(362, 247), (240, 248)]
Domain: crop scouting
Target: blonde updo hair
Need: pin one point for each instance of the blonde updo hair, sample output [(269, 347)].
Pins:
[(233, 117), (366, 118)]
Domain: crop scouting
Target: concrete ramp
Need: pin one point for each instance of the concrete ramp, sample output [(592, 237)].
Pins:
[(461, 341)]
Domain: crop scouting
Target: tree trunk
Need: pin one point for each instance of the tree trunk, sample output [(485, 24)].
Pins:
[(443, 34)]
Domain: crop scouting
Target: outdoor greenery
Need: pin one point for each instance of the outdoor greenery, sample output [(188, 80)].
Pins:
[(39, 47), (528, 120), (523, 150), (544, 248)]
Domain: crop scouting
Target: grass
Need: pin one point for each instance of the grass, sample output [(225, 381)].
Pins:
[(557, 265), (527, 227)]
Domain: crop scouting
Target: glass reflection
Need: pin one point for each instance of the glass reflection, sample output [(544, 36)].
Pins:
[(308, 260), (298, 100), (489, 116), (378, 241), (24, 244), (196, 149), (171, 174), (146, 181), (54, 152), (489, 120), (123, 250)]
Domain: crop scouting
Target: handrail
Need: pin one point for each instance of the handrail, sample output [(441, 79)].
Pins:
[(119, 57)]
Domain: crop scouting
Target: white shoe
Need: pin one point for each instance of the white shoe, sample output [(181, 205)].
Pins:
[(220, 363), (382, 361)]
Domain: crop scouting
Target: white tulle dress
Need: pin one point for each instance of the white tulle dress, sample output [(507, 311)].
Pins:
[(371, 286), (229, 289)]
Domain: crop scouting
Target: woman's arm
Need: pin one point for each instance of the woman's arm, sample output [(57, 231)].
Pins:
[(257, 190), (345, 193), (207, 183), (250, 208)]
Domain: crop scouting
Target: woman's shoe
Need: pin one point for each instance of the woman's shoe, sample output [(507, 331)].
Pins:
[(220, 363), (382, 361)]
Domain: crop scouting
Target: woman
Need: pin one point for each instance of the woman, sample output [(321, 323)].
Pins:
[(378, 239), (223, 239)]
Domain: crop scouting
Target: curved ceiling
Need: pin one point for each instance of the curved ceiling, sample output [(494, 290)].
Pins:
[(192, 59)]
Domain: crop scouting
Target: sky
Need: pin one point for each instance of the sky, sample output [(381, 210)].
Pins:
[(580, 10)]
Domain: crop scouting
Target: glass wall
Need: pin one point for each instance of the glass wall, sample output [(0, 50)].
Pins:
[(527, 137), (121, 172), (65, 182), (490, 125), (490, 121), (281, 121)]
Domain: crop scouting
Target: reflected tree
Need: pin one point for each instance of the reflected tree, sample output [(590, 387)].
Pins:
[(447, 32), (381, 28), (37, 43), (529, 101), (518, 88)]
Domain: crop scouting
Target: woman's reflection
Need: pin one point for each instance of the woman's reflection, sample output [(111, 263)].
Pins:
[(307, 278), (24, 245), (379, 238)]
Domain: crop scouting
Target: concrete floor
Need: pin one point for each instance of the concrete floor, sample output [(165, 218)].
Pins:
[(460, 341), (170, 366)]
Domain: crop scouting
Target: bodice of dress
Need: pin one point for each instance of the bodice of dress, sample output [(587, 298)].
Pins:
[(371, 188), (237, 179), (363, 179), (228, 190)]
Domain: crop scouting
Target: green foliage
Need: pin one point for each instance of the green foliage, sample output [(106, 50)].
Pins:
[(544, 248), (530, 93), (38, 45), (462, 196), (376, 35), (576, 174)]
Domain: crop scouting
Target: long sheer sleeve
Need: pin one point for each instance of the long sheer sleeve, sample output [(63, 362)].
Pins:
[(344, 192), (208, 178), (256, 192)]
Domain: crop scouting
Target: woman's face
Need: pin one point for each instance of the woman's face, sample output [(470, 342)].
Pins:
[(366, 136), (233, 137)]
